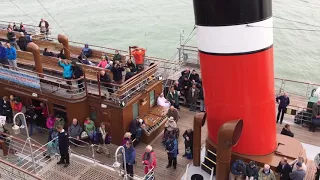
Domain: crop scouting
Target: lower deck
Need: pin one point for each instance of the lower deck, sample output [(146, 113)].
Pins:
[(310, 140)]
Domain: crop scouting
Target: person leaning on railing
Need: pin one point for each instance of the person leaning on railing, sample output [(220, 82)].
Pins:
[(67, 72), (77, 74), (117, 72), (138, 54)]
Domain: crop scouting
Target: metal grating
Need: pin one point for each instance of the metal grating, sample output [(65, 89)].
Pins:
[(93, 174), (73, 170), (50, 175)]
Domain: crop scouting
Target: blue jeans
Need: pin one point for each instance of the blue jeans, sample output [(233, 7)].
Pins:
[(31, 124), (202, 107)]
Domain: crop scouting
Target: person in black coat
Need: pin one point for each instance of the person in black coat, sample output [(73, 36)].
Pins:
[(283, 102), (63, 140), (106, 80), (77, 74), (5, 109), (129, 74), (46, 52), (286, 131), (23, 42), (252, 170), (284, 169), (117, 72), (185, 86), (194, 76), (188, 141)]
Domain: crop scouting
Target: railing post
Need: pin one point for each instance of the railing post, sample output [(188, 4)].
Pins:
[(93, 155), (99, 89)]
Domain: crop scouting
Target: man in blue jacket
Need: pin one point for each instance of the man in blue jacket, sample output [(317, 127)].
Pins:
[(3, 56), (283, 102), (12, 56), (130, 154), (237, 170), (172, 151)]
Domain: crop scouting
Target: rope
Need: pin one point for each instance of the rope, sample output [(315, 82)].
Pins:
[(22, 11), (277, 17), (284, 28)]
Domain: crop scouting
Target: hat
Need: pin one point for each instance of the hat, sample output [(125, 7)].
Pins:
[(299, 164), (171, 118)]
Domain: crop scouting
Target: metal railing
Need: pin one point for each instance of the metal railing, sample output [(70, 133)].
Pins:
[(9, 171), (48, 83)]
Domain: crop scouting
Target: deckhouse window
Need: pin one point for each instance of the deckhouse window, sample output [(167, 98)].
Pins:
[(152, 98), (135, 110)]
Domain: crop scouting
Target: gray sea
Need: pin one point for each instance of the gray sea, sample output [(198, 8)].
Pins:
[(156, 25)]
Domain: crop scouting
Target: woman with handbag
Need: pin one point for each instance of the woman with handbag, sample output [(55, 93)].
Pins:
[(103, 138)]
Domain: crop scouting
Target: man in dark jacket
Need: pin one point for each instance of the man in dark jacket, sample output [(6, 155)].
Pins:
[(23, 42), (63, 146), (194, 76), (238, 170), (11, 36), (117, 72), (44, 26), (3, 56), (117, 56), (283, 102), (185, 86), (193, 96), (284, 169), (136, 129), (252, 171), (173, 112), (172, 151), (286, 131), (77, 74), (106, 80)]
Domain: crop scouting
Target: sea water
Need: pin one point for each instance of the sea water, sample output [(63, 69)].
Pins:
[(156, 25)]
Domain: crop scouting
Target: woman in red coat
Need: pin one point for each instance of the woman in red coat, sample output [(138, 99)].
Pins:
[(149, 160)]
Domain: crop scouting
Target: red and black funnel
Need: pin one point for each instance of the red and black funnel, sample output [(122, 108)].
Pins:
[(236, 57)]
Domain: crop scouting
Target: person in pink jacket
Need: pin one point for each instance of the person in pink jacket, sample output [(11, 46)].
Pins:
[(50, 124), (149, 160)]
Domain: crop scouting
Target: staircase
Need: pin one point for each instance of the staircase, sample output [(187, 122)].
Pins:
[(209, 162)]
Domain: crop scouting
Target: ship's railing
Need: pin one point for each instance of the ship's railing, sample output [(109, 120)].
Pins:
[(41, 83), (18, 152), (122, 93), (31, 29), (10, 171)]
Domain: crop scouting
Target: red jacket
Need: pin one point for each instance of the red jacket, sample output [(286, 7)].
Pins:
[(18, 107), (44, 111), (139, 55), (151, 163)]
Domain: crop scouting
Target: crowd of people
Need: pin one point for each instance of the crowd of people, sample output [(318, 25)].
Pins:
[(295, 170)]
